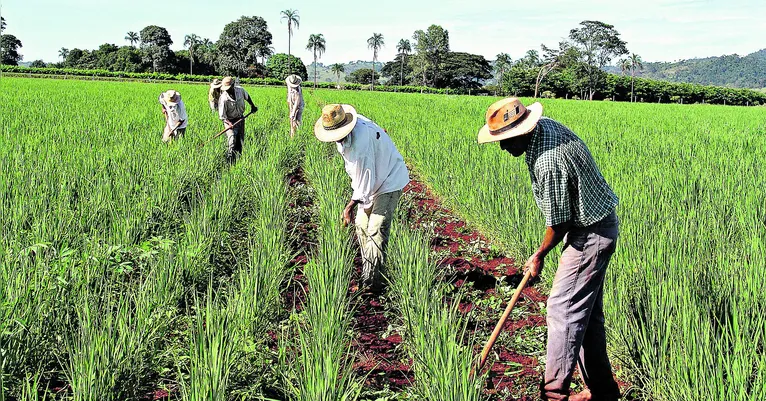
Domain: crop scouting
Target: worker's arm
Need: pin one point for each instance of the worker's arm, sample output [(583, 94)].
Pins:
[(253, 109), (553, 236), (348, 212)]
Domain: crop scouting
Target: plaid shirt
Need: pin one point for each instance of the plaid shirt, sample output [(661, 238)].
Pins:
[(566, 182)]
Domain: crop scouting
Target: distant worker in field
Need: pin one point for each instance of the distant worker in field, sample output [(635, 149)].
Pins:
[(579, 208), (231, 110), (175, 115), (295, 102), (378, 175), (214, 94)]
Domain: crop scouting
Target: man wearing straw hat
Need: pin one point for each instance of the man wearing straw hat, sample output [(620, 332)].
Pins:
[(214, 94), (295, 102), (175, 115), (378, 175), (579, 209), (231, 110)]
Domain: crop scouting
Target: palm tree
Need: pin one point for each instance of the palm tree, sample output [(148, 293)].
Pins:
[(132, 37), (502, 64), (292, 18), (190, 41), (624, 65), (635, 62), (317, 45), (63, 52), (375, 42), (337, 69), (404, 48)]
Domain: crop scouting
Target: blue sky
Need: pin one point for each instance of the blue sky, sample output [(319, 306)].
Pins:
[(658, 30)]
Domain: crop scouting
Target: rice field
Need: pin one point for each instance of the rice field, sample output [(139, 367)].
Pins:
[(134, 270)]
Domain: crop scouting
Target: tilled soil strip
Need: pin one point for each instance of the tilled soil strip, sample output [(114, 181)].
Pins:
[(466, 260)]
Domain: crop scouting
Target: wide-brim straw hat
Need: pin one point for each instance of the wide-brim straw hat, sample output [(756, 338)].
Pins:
[(293, 81), (216, 84), (171, 97), (337, 121), (509, 118), (227, 83)]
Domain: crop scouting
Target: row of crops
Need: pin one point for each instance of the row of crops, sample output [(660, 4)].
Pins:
[(135, 270), (130, 269), (684, 292)]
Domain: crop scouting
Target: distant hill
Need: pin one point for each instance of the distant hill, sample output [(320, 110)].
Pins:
[(324, 74), (731, 70)]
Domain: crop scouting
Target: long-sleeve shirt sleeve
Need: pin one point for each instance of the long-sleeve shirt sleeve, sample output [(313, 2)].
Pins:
[(372, 162)]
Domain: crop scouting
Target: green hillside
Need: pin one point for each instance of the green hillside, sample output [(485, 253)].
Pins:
[(730, 70), (325, 75)]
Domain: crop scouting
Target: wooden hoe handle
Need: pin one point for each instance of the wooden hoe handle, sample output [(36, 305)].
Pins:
[(226, 129), (500, 324)]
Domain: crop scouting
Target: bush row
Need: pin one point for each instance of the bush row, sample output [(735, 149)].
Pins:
[(105, 74)]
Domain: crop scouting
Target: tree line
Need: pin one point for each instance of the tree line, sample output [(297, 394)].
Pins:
[(575, 68)]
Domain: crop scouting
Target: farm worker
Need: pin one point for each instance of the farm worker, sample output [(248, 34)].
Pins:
[(214, 94), (295, 102), (579, 209), (231, 110), (378, 175), (175, 115)]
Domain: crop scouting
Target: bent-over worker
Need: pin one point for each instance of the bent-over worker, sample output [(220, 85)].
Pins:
[(175, 115), (214, 95), (579, 209), (378, 175), (231, 110)]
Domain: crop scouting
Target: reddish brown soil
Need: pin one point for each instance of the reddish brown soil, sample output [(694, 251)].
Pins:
[(467, 262)]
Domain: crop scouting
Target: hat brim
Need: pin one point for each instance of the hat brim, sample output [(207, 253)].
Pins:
[(535, 112), (225, 88), (337, 134), (292, 85)]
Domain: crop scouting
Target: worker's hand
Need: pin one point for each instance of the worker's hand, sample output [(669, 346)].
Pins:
[(228, 124), (348, 216), (534, 264)]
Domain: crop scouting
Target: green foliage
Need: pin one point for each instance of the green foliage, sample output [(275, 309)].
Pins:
[(728, 70), (155, 48), (598, 43), (363, 76), (278, 67), (241, 43), (9, 50)]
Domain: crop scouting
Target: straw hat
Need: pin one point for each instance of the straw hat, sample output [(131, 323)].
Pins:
[(337, 121), (509, 118), (227, 83), (171, 97), (293, 81), (215, 84)]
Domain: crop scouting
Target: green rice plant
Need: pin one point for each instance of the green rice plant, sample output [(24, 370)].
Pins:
[(323, 368), (112, 344), (435, 332), (213, 351), (684, 280)]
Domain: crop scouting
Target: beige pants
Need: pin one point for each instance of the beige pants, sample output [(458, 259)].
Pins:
[(373, 226)]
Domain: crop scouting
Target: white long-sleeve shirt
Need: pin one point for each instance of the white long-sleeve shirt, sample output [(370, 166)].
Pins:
[(373, 162), (176, 112)]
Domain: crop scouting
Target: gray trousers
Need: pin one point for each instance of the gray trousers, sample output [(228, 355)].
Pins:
[(373, 226), (235, 137), (576, 314)]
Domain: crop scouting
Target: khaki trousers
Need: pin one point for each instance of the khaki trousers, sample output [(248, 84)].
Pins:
[(373, 227), (576, 314)]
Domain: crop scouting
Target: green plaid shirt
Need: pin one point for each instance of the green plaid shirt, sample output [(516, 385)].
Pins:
[(566, 182)]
